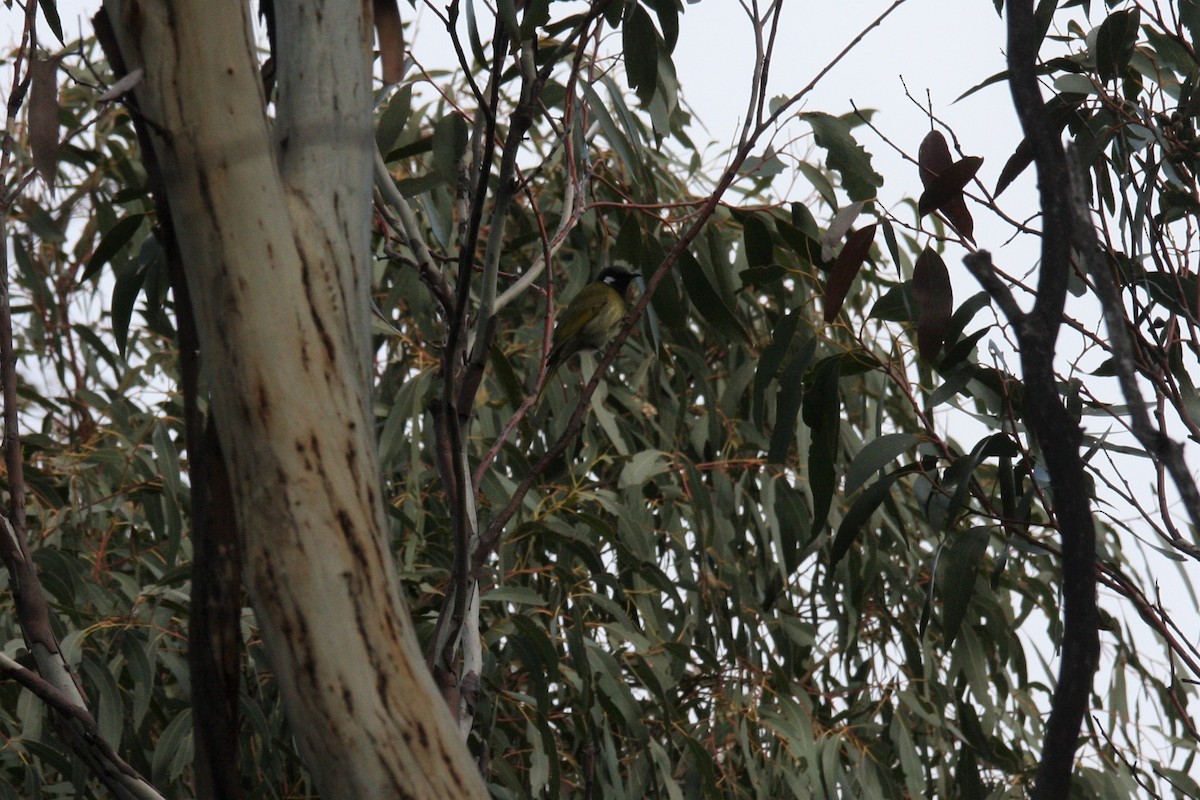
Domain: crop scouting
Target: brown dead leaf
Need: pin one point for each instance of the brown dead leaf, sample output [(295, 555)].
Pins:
[(391, 40), (932, 290), (848, 263), (43, 117)]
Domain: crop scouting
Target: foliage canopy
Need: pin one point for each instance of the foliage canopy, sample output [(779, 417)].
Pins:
[(804, 542)]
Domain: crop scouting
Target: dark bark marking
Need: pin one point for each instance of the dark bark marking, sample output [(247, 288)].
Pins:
[(318, 323), (264, 403), (347, 526), (422, 734), (244, 411)]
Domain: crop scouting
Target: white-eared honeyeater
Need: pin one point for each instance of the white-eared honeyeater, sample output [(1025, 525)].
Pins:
[(591, 319)]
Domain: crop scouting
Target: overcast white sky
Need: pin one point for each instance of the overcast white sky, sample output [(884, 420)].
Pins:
[(939, 47), (942, 47)]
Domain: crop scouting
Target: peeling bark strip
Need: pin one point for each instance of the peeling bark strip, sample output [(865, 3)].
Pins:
[(276, 250)]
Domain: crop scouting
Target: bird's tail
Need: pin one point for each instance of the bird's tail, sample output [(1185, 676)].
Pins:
[(551, 369)]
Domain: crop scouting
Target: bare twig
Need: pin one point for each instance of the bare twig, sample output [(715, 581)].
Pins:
[(408, 227)]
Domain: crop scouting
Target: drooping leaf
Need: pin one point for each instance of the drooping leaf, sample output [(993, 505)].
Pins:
[(1060, 110), (845, 269), (806, 248), (763, 167), (117, 237), (1053, 66), (126, 289), (965, 313), (98, 346), (819, 182), (667, 302), (173, 753), (958, 579), (50, 14), (771, 359), (43, 117), (507, 12), (889, 237), (961, 471), (845, 155), (860, 513), (1043, 16), (1115, 42), (788, 403), (639, 43), (876, 455), (668, 20), (414, 148), (449, 142), (935, 297), (122, 85), (757, 238), (823, 413), (947, 186), (897, 304), (839, 226), (626, 147), (933, 157), (961, 350), (791, 508), (708, 301), (944, 180), (762, 276), (535, 14), (643, 466), (393, 120), (967, 783), (390, 33)]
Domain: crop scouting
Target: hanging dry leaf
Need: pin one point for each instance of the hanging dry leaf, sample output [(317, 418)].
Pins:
[(932, 290), (933, 157), (849, 261), (944, 180), (391, 40), (43, 117)]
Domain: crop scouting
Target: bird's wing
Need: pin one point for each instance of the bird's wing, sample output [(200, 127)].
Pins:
[(580, 312)]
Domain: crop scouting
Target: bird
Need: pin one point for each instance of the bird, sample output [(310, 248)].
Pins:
[(591, 319)]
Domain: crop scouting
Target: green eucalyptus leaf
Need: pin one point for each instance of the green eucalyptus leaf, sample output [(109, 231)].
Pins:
[(845, 155), (958, 579), (708, 302), (877, 454), (639, 42)]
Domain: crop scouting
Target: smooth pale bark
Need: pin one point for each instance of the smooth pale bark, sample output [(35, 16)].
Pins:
[(274, 230)]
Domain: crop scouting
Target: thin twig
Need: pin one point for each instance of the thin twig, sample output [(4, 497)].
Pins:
[(1165, 450)]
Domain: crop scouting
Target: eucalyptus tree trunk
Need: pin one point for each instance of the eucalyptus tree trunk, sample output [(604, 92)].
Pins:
[(273, 221)]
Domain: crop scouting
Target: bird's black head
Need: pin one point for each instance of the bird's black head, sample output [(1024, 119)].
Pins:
[(617, 278)]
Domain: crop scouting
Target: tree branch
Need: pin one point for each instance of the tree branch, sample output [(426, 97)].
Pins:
[(1057, 432), (1158, 444)]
